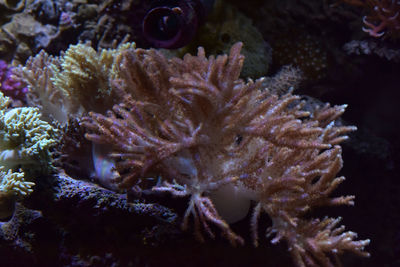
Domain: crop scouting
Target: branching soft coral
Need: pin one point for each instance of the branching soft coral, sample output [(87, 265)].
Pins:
[(77, 81), (12, 186), (383, 17), (25, 139), (208, 133), (25, 143), (84, 75)]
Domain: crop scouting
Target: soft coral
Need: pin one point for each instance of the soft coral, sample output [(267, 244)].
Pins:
[(211, 135), (383, 17)]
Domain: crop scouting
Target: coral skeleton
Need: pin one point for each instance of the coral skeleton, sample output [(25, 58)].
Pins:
[(210, 135)]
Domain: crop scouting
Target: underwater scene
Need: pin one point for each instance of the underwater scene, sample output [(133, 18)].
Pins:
[(199, 133)]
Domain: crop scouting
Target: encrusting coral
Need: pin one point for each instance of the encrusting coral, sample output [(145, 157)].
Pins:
[(211, 135)]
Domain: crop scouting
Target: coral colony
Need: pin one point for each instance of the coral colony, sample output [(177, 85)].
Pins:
[(219, 140), (25, 143)]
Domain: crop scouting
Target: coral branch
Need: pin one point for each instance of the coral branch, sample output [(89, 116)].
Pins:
[(205, 131), (383, 17)]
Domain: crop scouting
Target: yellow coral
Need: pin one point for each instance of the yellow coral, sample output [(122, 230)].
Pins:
[(13, 183), (78, 80), (82, 70), (24, 126), (85, 75), (4, 102), (12, 186), (25, 139)]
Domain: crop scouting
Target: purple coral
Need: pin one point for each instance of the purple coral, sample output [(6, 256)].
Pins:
[(9, 85)]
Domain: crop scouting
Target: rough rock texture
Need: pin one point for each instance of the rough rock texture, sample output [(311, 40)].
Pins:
[(68, 220)]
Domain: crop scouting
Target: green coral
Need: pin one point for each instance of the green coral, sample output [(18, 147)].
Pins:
[(25, 139), (14, 184)]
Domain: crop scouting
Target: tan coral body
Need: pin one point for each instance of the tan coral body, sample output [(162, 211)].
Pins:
[(198, 125)]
